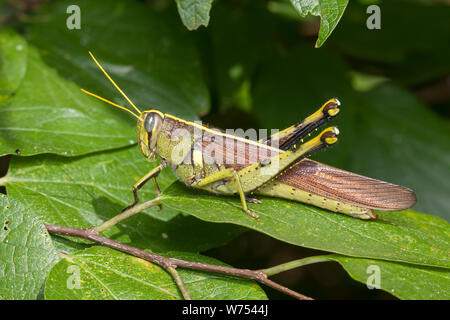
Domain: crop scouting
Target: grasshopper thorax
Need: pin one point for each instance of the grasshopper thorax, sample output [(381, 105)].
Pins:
[(149, 126)]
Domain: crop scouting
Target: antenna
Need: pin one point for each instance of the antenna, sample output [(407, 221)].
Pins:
[(110, 102), (115, 85)]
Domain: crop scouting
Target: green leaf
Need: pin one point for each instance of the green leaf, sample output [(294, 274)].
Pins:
[(241, 41), (404, 236), (13, 55), (113, 275), (194, 13), (48, 114), (26, 252), (330, 12), (67, 246), (401, 280), (399, 139), (147, 52), (410, 52), (85, 191), (385, 133)]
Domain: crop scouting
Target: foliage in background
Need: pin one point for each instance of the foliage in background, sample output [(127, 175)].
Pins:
[(75, 159)]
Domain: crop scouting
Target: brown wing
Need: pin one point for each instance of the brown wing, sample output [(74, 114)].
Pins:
[(346, 186), (234, 152)]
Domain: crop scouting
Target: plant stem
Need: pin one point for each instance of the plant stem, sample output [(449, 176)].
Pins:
[(176, 277), (294, 264), (126, 214), (92, 235)]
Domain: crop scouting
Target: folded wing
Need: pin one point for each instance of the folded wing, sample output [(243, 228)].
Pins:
[(342, 185)]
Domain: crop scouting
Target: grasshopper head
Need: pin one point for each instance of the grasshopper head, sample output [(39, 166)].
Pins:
[(149, 125)]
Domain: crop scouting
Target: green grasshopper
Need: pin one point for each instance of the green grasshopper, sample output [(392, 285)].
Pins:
[(222, 163)]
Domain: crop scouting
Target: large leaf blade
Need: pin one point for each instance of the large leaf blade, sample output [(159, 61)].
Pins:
[(48, 114), (13, 55), (26, 252), (401, 280)]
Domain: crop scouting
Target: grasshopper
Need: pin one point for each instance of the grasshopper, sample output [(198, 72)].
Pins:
[(277, 166)]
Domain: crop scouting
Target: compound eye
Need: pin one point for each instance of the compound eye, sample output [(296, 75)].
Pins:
[(149, 123)]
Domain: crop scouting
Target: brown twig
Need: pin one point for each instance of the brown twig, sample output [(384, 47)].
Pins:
[(92, 235)]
